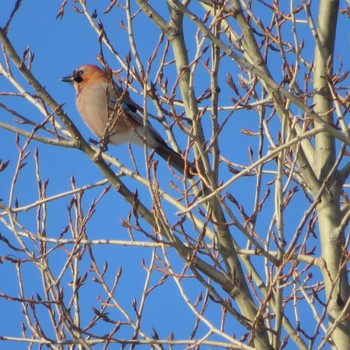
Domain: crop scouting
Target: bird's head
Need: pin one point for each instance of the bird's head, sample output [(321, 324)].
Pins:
[(84, 75)]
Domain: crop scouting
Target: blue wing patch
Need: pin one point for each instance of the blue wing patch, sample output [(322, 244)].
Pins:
[(125, 106)]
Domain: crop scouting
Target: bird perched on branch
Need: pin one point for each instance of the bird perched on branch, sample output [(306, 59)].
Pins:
[(115, 118)]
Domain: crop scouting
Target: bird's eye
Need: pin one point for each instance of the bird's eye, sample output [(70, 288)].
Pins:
[(78, 75)]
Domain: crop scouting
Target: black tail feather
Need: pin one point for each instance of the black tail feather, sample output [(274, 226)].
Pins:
[(176, 160)]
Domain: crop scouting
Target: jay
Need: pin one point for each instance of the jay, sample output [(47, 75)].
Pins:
[(113, 116)]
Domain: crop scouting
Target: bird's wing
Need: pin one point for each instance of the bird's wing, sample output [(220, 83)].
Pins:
[(133, 110)]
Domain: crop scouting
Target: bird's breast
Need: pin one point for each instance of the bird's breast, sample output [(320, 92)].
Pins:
[(92, 106)]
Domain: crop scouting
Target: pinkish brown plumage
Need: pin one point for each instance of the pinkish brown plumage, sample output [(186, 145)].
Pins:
[(111, 114)]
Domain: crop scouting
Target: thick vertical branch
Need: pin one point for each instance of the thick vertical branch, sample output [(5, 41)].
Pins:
[(329, 216), (325, 37)]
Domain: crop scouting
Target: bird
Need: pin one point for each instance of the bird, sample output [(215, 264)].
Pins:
[(115, 118)]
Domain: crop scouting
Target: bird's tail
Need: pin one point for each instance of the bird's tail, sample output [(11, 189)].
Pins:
[(176, 160)]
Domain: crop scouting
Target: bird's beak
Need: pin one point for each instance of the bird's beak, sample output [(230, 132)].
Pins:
[(68, 79)]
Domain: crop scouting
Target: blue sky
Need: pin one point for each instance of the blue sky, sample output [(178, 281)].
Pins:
[(59, 47)]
